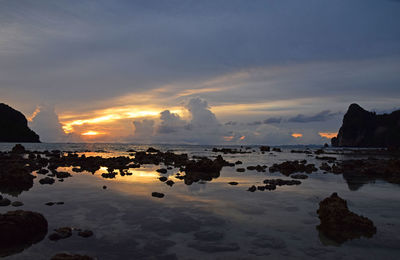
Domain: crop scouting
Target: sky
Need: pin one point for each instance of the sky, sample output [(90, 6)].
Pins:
[(197, 72)]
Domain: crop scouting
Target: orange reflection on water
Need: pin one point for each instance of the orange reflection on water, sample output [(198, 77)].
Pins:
[(297, 135), (328, 135), (91, 133)]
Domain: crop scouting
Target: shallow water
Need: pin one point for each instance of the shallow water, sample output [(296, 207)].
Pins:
[(128, 223)]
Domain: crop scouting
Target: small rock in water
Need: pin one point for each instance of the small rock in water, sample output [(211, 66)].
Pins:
[(163, 178), (61, 233), (240, 169), (49, 203), (170, 182), (85, 233), (46, 180), (60, 203), (104, 187), (299, 176), (4, 202), (17, 204), (233, 183), (163, 171), (252, 188), (157, 194)]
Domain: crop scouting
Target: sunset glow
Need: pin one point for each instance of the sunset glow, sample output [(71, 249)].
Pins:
[(297, 135), (328, 135), (91, 133)]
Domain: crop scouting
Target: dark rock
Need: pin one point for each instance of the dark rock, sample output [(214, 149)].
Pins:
[(64, 256), (14, 126), (252, 188), (18, 149), (46, 180), (4, 202), (238, 162), (233, 183), (299, 176), (240, 169), (163, 179), (228, 151), (170, 183), (280, 182), (276, 149), (339, 223), (61, 233), (157, 195), (62, 175), (49, 203), (257, 168), (15, 173), (265, 148), (60, 203), (163, 170), (85, 233), (104, 187), (17, 204), (19, 230), (290, 167), (43, 171), (361, 128)]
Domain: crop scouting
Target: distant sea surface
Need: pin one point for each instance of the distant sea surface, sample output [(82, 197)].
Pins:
[(207, 219)]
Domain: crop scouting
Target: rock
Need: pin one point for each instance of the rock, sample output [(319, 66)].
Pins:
[(152, 150), (17, 204), (290, 167), (61, 175), (299, 176), (46, 180), (213, 247), (257, 168), (157, 195), (265, 148), (238, 162), (15, 173), (233, 183), (240, 169), (228, 151), (361, 128), (163, 170), (4, 202), (163, 179), (20, 229), (338, 223), (208, 235), (276, 149), (60, 203), (61, 233), (85, 233), (42, 171), (252, 188), (14, 126), (49, 203), (170, 183), (104, 187), (280, 182), (64, 256)]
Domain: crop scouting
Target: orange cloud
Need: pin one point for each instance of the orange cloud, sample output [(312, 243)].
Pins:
[(328, 135), (242, 137), (297, 135), (91, 133)]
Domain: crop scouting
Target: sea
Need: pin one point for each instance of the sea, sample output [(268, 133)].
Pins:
[(207, 219)]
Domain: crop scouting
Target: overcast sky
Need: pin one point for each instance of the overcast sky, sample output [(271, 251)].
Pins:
[(249, 71)]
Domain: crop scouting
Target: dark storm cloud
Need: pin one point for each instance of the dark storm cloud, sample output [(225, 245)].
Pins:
[(319, 117)]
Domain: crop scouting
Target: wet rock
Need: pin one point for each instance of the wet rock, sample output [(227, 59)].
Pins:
[(339, 223), (213, 247), (61, 233), (280, 182), (299, 176), (204, 169), (290, 167), (252, 188), (233, 183), (325, 167), (109, 175), (60, 203), (62, 175), (64, 256), (4, 202), (170, 183), (163, 179), (15, 173), (20, 229), (85, 233), (152, 150), (276, 149), (17, 204), (238, 162), (240, 169), (43, 171), (228, 151), (46, 180), (104, 187), (49, 203), (265, 148), (208, 235), (18, 149), (163, 170), (157, 195), (257, 168), (326, 158)]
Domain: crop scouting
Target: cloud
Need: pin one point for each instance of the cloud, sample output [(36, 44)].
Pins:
[(273, 120), (319, 117), (46, 124), (170, 122)]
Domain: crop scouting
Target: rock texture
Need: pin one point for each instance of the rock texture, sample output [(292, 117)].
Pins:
[(339, 223), (19, 230), (361, 128), (14, 126)]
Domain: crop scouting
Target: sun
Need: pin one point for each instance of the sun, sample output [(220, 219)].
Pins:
[(91, 133)]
